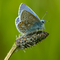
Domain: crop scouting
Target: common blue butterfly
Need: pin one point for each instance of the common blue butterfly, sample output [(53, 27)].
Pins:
[(27, 21)]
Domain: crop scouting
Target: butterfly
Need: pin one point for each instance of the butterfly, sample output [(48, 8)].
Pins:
[(27, 21)]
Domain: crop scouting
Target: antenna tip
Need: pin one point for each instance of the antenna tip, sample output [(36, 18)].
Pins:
[(48, 21)]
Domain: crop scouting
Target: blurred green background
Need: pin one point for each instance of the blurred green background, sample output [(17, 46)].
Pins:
[(49, 48)]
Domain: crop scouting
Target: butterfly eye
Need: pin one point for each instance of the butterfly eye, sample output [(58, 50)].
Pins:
[(42, 21)]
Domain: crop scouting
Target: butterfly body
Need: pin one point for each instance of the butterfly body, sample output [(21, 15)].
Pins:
[(28, 21), (35, 27)]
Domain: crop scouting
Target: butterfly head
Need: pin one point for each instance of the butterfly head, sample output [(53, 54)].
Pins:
[(42, 21)]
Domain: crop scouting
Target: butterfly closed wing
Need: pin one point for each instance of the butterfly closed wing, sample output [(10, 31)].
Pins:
[(28, 21)]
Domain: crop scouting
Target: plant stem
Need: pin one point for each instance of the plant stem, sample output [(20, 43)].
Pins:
[(11, 52)]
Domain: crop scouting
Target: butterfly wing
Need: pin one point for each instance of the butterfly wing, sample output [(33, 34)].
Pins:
[(27, 21), (25, 7), (17, 20)]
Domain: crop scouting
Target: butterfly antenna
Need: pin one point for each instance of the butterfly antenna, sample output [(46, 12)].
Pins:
[(44, 15)]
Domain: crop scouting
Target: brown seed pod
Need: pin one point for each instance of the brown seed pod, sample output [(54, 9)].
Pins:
[(31, 39)]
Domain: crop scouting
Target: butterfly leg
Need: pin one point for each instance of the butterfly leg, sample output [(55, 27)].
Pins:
[(44, 28), (42, 31)]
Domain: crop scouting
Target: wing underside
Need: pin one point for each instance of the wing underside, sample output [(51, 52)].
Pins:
[(27, 21)]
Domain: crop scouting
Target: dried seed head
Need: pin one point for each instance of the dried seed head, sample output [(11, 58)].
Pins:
[(31, 39)]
